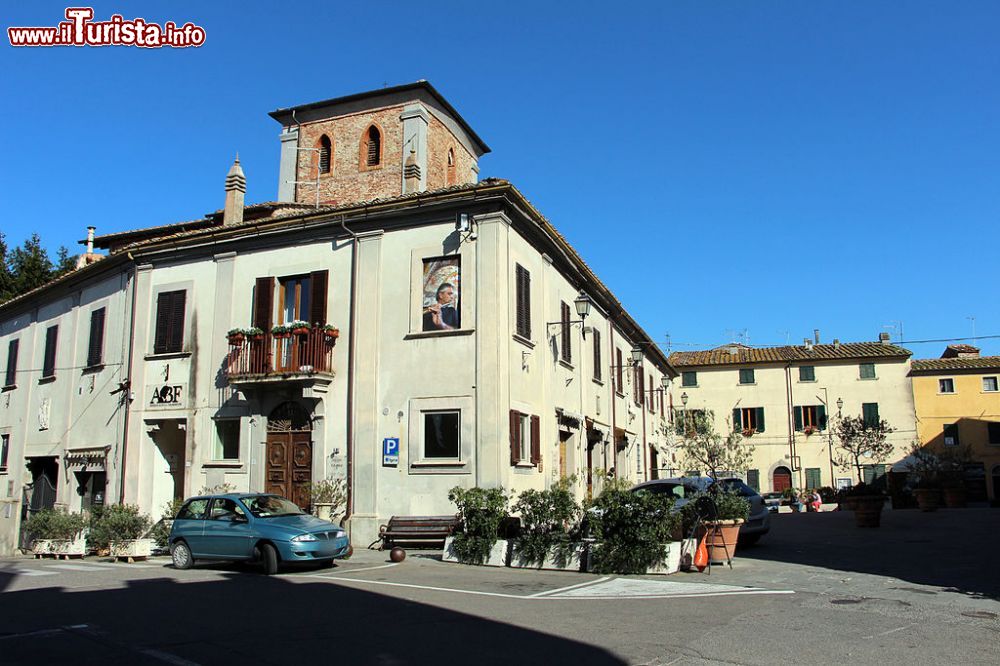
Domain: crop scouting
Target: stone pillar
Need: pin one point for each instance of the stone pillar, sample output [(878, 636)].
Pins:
[(415, 120)]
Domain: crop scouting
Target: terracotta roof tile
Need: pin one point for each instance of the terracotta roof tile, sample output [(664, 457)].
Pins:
[(945, 365), (743, 355)]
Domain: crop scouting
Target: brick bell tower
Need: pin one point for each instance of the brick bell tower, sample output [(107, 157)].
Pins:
[(375, 145)]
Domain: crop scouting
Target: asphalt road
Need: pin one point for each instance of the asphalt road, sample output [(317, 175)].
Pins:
[(922, 589)]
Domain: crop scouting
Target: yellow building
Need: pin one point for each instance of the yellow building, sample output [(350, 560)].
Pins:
[(957, 403)]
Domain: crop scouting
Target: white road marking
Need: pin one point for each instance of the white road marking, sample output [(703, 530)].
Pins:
[(75, 567), (121, 565), (33, 572), (381, 566), (569, 587), (169, 658)]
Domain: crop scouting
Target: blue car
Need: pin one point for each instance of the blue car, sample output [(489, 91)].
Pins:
[(257, 527)]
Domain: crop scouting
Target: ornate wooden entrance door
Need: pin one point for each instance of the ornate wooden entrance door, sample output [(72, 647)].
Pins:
[(289, 465)]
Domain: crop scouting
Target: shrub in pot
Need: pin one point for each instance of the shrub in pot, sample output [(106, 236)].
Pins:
[(632, 530), (548, 524), (328, 498), (721, 534), (924, 468), (119, 529), (56, 531), (161, 530), (481, 512), (866, 502)]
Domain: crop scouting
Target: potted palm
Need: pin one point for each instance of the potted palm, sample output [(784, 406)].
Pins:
[(329, 499)]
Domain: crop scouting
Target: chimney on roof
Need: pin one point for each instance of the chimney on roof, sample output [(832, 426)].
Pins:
[(807, 342), (89, 256), (836, 343), (816, 335), (236, 188), (960, 351), (883, 338)]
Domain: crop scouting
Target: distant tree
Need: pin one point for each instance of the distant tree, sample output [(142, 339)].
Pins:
[(705, 448), (6, 279), (30, 265), (860, 441), (65, 262)]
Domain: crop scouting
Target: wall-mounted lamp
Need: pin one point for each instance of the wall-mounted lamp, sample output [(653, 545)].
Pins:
[(465, 225), (684, 399), (582, 303)]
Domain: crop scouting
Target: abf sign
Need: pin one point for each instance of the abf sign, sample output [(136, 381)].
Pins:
[(166, 396)]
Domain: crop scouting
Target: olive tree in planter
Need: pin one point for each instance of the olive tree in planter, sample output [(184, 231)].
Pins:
[(721, 532), (704, 448), (329, 499), (56, 532), (925, 468), (481, 512), (548, 526), (860, 440), (634, 532), (119, 529)]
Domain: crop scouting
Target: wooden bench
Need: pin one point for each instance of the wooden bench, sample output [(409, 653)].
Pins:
[(428, 531)]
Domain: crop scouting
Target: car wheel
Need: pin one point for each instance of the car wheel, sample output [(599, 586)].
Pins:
[(181, 555), (750, 540), (269, 558)]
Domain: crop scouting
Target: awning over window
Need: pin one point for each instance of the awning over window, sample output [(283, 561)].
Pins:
[(92, 459)]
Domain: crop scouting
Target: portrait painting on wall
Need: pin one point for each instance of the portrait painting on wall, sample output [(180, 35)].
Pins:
[(441, 284)]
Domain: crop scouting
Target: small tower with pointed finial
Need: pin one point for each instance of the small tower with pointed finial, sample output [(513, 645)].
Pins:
[(236, 188)]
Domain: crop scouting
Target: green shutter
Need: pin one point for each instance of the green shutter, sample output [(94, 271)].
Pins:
[(869, 412), (753, 479), (813, 479), (760, 419), (822, 417), (737, 419), (798, 418), (869, 473)]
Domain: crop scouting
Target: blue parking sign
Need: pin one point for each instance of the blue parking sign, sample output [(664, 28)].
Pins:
[(390, 451)]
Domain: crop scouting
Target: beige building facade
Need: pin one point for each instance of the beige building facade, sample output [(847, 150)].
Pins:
[(786, 401)]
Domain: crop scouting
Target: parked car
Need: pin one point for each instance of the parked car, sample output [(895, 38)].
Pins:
[(682, 488), (772, 501), (262, 528)]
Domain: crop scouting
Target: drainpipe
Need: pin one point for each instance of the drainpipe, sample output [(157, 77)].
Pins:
[(350, 369), (789, 421), (614, 393), (128, 391), (642, 411)]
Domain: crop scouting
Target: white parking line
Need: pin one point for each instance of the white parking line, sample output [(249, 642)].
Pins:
[(569, 587), (381, 566), (33, 572), (75, 567)]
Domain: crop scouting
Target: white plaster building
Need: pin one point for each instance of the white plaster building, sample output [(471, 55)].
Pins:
[(458, 333), (788, 399)]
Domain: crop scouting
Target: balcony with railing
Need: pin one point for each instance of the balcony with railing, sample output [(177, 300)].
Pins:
[(269, 357)]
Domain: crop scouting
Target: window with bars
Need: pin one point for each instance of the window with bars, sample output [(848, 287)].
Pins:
[(522, 301), (325, 154), (596, 335), (566, 350), (49, 360), (95, 346), (373, 147), (169, 335), (10, 376)]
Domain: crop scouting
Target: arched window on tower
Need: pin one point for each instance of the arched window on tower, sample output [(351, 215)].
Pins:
[(450, 173), (325, 154), (371, 150)]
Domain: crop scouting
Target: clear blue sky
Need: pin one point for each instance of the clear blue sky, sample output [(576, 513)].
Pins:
[(768, 166)]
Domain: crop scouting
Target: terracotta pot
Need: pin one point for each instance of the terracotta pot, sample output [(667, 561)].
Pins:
[(954, 498), (236, 339), (281, 336), (257, 338), (720, 539), (867, 510), (928, 499), (332, 333), (300, 331)]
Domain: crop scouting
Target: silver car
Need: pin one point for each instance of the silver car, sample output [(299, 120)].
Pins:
[(682, 488)]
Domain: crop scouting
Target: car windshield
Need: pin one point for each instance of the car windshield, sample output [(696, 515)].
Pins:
[(270, 506), (738, 486), (675, 489)]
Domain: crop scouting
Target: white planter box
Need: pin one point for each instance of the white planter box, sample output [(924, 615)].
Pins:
[(573, 562), (60, 547), (497, 558), (131, 549), (677, 552)]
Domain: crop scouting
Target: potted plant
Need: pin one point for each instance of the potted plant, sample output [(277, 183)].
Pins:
[(119, 529), (749, 432), (254, 334), (953, 462), (721, 534), (57, 532), (634, 532), (235, 336), (481, 512), (160, 532), (809, 430), (280, 332), (331, 332), (866, 502), (299, 327), (329, 499), (924, 468), (548, 521)]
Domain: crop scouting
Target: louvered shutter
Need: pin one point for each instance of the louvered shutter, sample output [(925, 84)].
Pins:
[(737, 419), (324, 154), (515, 436), (760, 419), (263, 303), (822, 417), (169, 335), (95, 348), (536, 443), (49, 362), (567, 353), (798, 418), (597, 355), (317, 298), (522, 296), (176, 333), (652, 396), (12, 349), (618, 371), (160, 341)]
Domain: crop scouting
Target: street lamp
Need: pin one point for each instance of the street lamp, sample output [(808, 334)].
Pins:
[(840, 406), (582, 303), (684, 398)]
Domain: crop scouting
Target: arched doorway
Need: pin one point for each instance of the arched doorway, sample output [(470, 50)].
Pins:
[(781, 479), (289, 453)]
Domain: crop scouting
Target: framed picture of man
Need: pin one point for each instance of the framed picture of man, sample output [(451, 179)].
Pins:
[(440, 298)]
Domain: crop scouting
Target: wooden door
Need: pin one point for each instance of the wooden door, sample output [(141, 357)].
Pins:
[(289, 466), (782, 479)]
